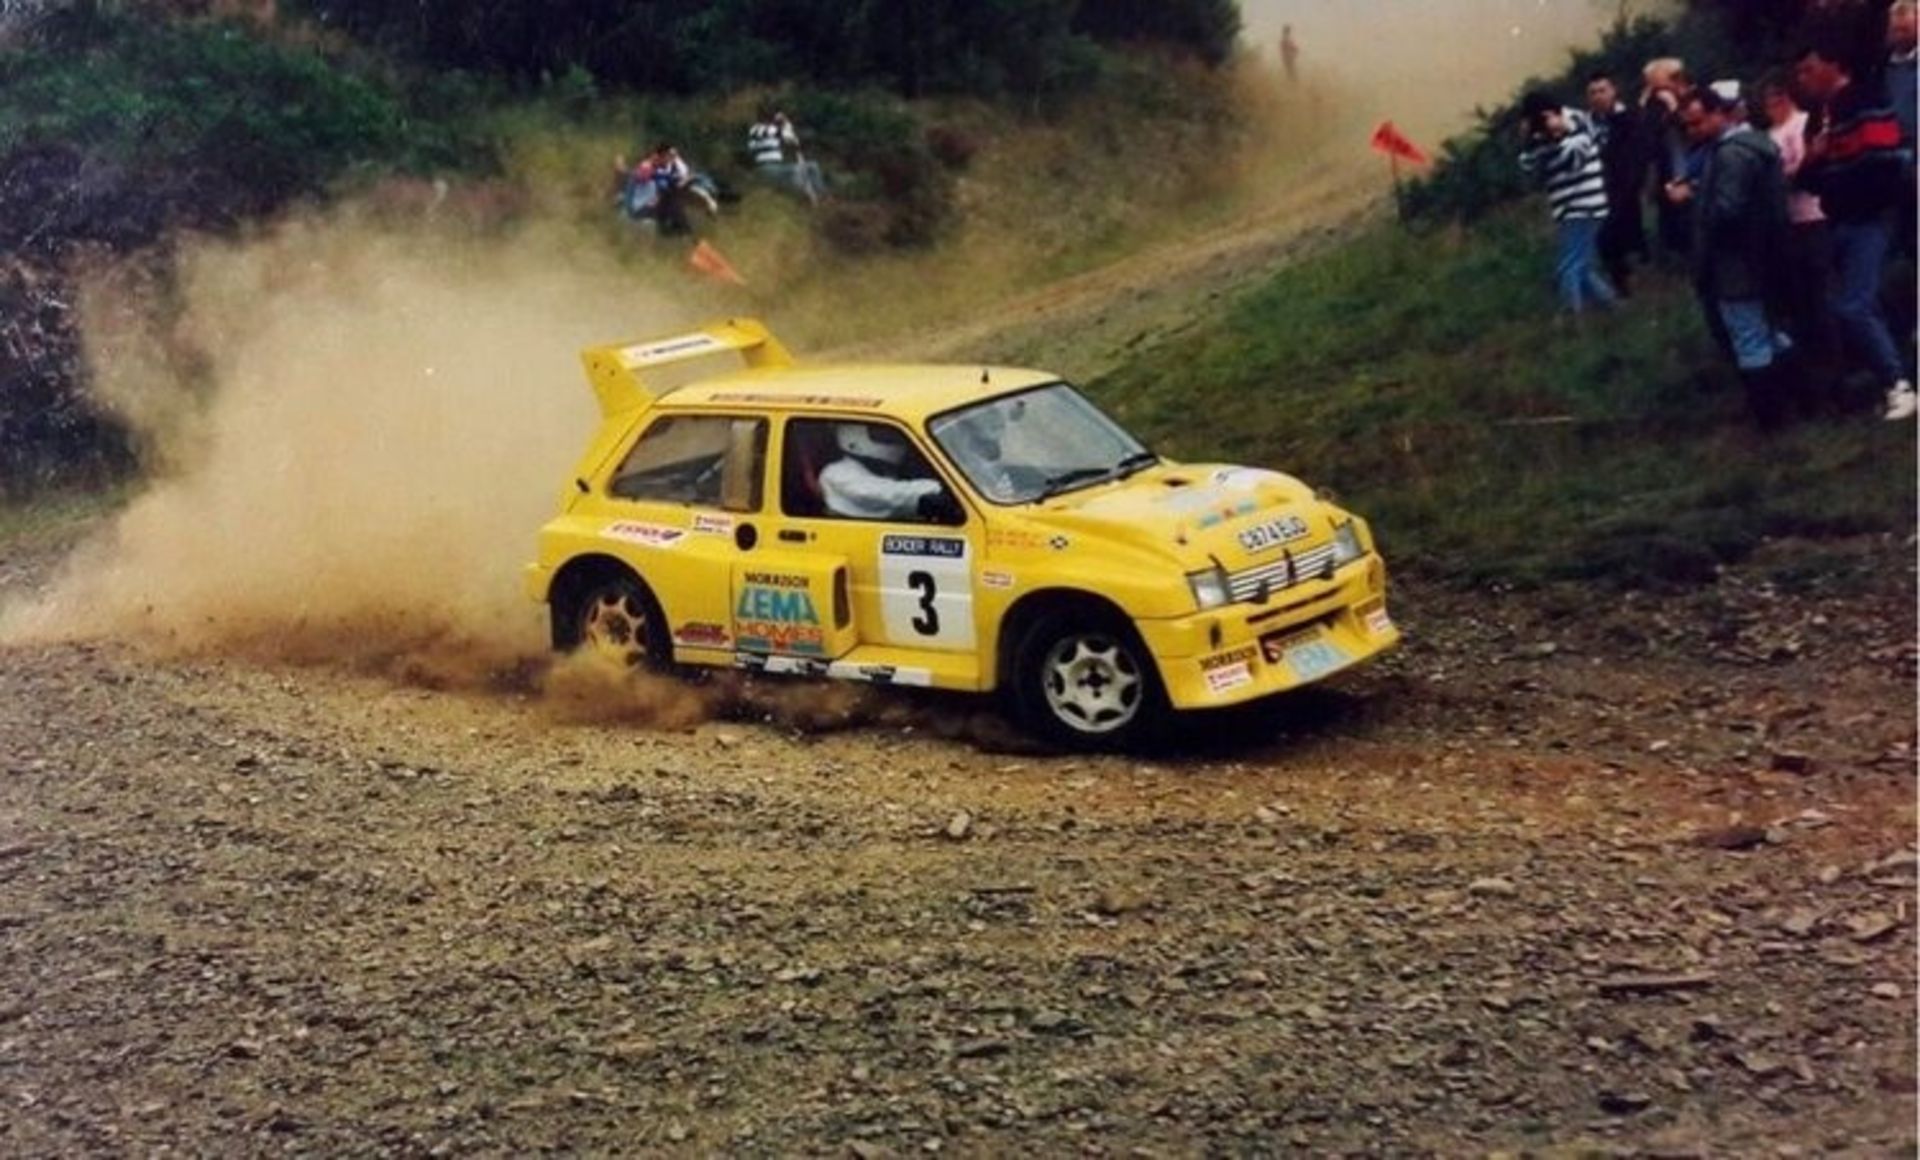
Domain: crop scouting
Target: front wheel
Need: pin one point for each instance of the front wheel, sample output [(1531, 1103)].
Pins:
[(1086, 683)]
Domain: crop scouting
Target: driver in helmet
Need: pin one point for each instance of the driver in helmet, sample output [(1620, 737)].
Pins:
[(864, 483)]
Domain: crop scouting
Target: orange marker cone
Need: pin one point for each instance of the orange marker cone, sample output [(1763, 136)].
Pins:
[(708, 261)]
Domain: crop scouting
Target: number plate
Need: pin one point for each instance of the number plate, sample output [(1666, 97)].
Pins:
[(1270, 535), (1309, 654)]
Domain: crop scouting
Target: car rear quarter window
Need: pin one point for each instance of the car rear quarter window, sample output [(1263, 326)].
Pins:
[(716, 461)]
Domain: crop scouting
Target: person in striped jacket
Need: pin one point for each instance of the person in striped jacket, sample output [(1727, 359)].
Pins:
[(1562, 155), (774, 148)]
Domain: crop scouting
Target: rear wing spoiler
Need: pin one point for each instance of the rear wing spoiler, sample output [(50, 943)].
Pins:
[(616, 371)]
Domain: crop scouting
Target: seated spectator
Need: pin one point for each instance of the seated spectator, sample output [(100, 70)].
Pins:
[(674, 185), (1854, 166), (775, 150), (635, 193)]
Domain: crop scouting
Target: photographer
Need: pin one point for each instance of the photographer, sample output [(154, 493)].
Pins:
[(1563, 156)]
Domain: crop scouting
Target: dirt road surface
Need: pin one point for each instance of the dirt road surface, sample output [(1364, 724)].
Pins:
[(1575, 873), (1632, 876)]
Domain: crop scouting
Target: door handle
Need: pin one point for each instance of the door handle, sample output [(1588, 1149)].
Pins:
[(794, 536)]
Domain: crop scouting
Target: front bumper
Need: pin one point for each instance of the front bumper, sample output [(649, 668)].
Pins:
[(1242, 652)]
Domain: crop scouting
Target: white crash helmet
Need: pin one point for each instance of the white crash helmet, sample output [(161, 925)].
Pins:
[(877, 444)]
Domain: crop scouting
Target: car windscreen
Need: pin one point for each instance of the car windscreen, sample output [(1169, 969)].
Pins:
[(1028, 446)]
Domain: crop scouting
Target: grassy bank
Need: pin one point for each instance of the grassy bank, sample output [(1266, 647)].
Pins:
[(1427, 380)]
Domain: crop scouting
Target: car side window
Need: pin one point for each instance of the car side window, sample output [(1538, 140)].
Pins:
[(715, 461), (844, 469)]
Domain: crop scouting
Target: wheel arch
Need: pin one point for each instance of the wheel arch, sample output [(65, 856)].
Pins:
[(574, 580), (1031, 607)]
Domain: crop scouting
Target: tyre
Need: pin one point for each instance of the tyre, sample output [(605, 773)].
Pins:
[(616, 617), (1084, 681)]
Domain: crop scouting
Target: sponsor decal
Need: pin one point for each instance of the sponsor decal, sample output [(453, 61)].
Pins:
[(702, 635), (1215, 518), (671, 348), (837, 670), (992, 579), (652, 535), (1229, 678), (769, 398), (710, 525), (1009, 538), (775, 613), (943, 547), (1378, 622), (1239, 656), (1229, 670), (780, 666), (1272, 534)]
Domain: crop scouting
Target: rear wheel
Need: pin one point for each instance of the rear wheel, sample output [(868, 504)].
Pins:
[(1084, 681), (616, 617)]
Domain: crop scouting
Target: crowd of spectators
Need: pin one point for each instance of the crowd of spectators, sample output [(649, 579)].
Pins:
[(1781, 197)]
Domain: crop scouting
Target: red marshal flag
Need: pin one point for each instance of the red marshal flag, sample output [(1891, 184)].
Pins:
[(1391, 141)]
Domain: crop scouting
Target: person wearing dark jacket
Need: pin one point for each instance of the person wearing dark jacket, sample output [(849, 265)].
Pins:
[(1740, 230), (1854, 166), (1664, 87), (1624, 163)]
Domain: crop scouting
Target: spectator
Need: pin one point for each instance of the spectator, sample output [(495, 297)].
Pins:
[(1562, 155), (1853, 164), (1624, 163), (1809, 253), (1665, 141), (1740, 219), (674, 186), (1289, 54), (1903, 85), (1903, 38), (775, 149)]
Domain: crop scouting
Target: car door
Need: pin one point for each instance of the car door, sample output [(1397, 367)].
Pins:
[(911, 568), (675, 504)]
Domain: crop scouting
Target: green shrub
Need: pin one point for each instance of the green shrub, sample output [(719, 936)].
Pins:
[(269, 119)]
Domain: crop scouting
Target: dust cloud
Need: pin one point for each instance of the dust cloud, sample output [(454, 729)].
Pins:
[(355, 434), (1427, 63)]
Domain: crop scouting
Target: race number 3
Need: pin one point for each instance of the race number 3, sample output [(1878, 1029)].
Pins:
[(926, 591), (928, 622)]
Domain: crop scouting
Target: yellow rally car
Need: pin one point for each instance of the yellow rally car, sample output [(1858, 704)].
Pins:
[(953, 527)]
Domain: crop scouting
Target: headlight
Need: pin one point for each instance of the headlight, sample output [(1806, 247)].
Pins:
[(1346, 544), (1210, 588)]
